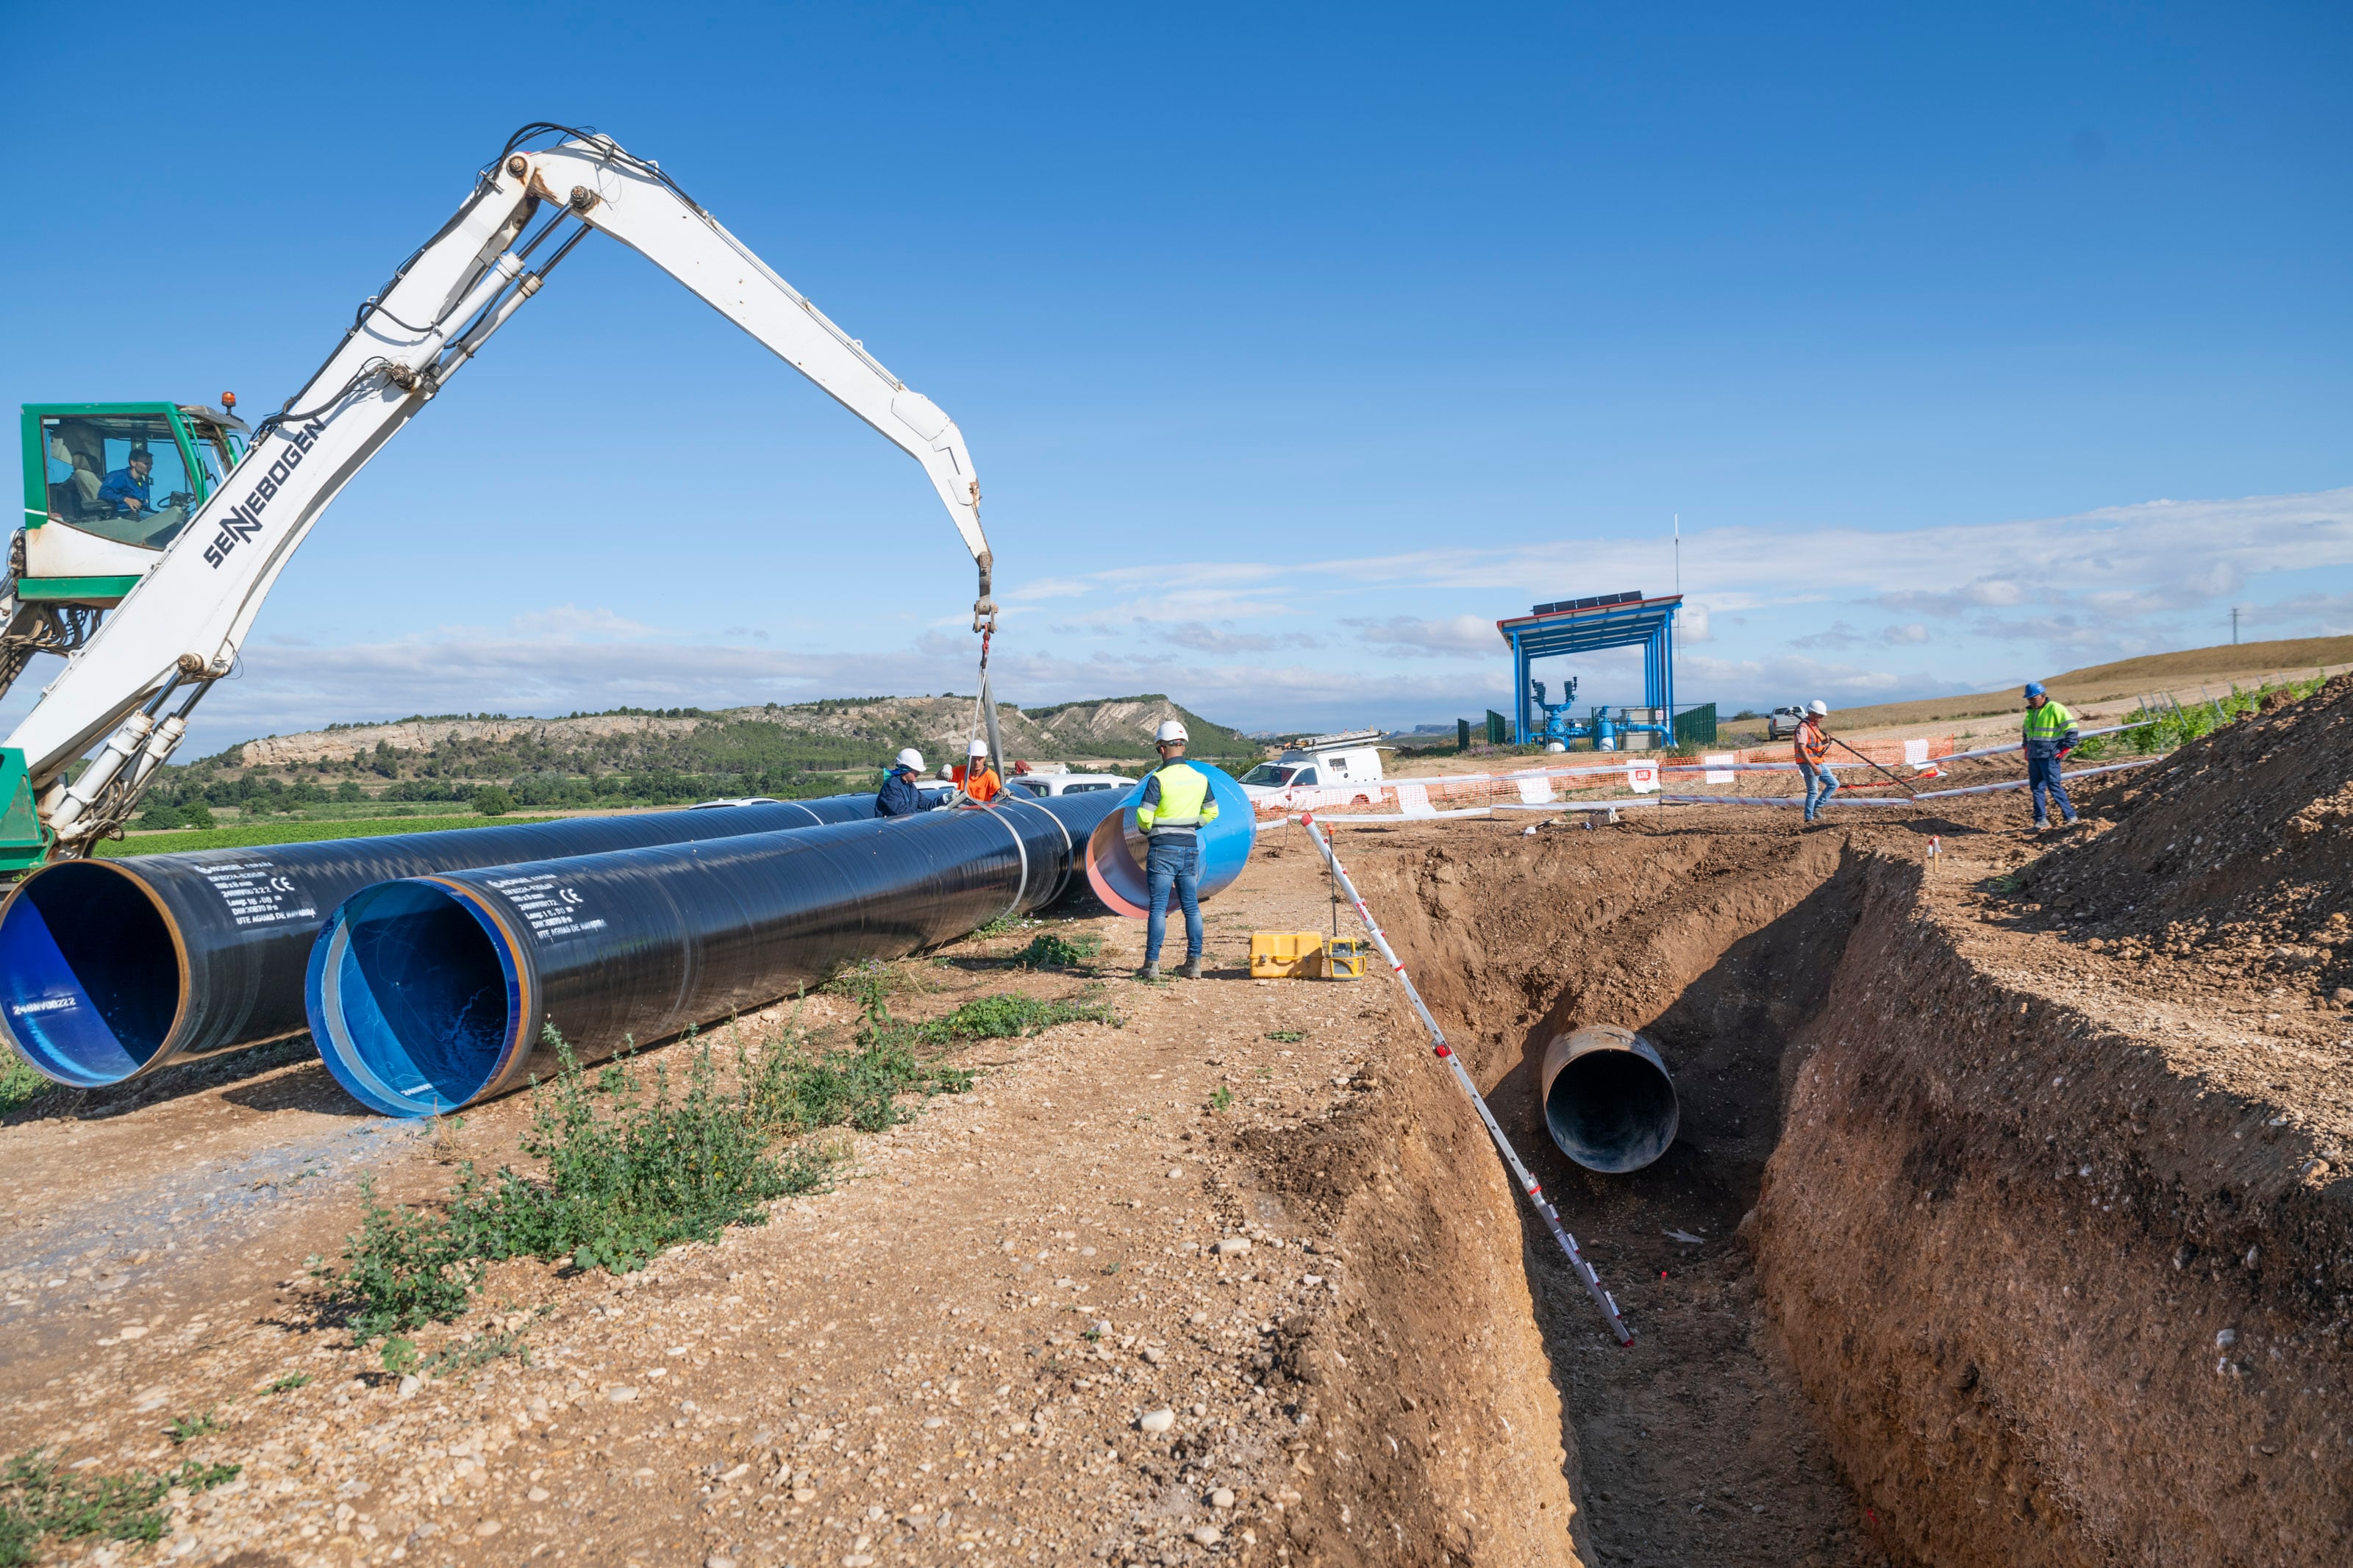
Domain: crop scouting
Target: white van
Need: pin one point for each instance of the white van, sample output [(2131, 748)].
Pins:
[(1043, 786), (1321, 763)]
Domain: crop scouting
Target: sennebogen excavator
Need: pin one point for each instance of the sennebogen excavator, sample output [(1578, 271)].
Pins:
[(153, 531)]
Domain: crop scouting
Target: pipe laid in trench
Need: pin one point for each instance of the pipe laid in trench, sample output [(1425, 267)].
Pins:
[(113, 969), (1609, 1101), (432, 993)]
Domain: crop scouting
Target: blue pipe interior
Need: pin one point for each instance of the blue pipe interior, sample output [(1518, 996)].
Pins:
[(1115, 852), (413, 997), (90, 979)]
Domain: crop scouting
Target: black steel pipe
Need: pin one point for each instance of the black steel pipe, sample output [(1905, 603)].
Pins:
[(112, 969), (431, 992), (1608, 1101)]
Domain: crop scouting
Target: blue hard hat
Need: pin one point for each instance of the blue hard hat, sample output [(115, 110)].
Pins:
[(2034, 688)]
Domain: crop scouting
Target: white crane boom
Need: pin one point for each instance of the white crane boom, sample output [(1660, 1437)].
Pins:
[(181, 627)]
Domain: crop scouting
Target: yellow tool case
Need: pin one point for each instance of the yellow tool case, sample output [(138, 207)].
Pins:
[(1286, 955), (1304, 956)]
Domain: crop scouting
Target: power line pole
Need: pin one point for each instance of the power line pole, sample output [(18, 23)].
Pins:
[(1679, 555), (2235, 625)]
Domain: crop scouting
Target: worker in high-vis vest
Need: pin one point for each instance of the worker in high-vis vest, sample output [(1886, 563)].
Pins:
[(1171, 812), (2050, 735), (1811, 747), (978, 779)]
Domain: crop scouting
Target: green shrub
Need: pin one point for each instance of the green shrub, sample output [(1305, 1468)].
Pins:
[(626, 1176), (796, 1092), (623, 1173), (161, 815), (1007, 1015), (489, 800), (405, 1269), (1050, 949), (21, 1083), (38, 1498), (2155, 731), (187, 1428)]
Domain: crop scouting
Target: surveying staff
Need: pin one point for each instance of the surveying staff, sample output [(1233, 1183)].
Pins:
[(898, 795), (1174, 805), (1813, 747), (2050, 735), (979, 780)]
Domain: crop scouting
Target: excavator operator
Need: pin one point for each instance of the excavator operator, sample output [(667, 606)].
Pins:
[(126, 489)]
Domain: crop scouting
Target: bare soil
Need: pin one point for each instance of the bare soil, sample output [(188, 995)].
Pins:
[(1995, 1233)]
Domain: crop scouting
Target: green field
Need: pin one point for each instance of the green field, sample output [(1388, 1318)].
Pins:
[(293, 833)]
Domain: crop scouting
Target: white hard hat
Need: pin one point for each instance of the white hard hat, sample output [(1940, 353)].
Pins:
[(979, 748), (1819, 708), (1170, 730), (911, 758)]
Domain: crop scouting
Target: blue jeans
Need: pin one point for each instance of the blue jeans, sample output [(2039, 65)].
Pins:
[(1172, 862), (2043, 782), (1821, 783)]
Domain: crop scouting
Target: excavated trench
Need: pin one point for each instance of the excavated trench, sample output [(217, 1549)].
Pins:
[(1934, 1273)]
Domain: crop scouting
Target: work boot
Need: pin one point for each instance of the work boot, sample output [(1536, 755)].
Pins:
[(1193, 966), (1150, 972)]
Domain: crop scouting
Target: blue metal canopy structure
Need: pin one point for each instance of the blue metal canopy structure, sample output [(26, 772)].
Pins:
[(1585, 626)]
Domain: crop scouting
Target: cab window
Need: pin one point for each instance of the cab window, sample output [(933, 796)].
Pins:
[(1269, 774), (120, 476)]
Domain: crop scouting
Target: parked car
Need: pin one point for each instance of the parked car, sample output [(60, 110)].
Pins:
[(1046, 786), (1782, 722)]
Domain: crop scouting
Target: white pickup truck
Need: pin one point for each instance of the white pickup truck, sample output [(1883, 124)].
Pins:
[(1322, 764)]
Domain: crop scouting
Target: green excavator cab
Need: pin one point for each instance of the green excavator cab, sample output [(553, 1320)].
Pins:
[(107, 486)]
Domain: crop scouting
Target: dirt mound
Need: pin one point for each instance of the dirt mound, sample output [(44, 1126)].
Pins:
[(2233, 849)]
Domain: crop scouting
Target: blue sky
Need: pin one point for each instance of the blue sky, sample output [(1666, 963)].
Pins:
[(1294, 345)]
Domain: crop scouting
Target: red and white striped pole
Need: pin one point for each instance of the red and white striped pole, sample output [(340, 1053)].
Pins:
[(1445, 1053)]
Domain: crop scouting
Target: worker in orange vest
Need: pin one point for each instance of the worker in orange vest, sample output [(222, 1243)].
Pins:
[(979, 781), (1813, 747)]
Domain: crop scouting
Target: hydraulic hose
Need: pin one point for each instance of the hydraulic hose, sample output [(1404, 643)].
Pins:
[(113, 969), (431, 992)]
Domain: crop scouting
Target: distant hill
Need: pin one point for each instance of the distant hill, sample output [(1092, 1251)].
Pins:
[(2125, 678), (631, 755)]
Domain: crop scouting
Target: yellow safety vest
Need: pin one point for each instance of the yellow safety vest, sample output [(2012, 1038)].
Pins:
[(2048, 722), (1185, 802)]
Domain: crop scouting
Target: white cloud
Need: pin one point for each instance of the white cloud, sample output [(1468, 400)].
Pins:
[(567, 622), (1454, 636)]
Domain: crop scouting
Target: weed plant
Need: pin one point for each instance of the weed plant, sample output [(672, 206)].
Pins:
[(405, 1268), (20, 1083), (2155, 731), (1050, 949), (621, 1172), (188, 1428), (1007, 1015), (38, 1498), (628, 1174)]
